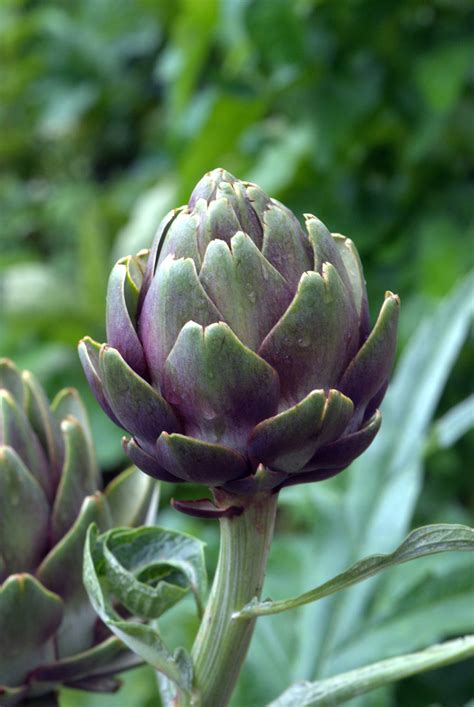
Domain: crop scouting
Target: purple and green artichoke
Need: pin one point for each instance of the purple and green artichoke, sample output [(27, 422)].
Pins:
[(240, 352), (49, 495)]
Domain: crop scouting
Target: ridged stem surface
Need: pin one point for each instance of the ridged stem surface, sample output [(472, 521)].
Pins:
[(222, 642)]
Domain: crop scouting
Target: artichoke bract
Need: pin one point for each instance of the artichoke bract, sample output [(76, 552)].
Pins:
[(49, 495), (240, 353)]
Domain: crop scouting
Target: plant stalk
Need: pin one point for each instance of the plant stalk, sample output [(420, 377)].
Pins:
[(222, 642)]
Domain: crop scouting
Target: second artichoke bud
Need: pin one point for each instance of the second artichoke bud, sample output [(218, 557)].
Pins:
[(240, 353), (50, 492)]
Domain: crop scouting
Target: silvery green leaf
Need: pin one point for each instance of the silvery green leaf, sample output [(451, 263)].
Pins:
[(121, 562), (427, 540), (341, 688), (454, 423), (438, 604), (150, 569)]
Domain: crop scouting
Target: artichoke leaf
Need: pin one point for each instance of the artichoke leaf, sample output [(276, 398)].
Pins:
[(341, 688), (143, 639), (150, 569), (423, 541)]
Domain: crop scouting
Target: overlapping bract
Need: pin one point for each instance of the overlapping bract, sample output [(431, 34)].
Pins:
[(239, 348), (49, 494)]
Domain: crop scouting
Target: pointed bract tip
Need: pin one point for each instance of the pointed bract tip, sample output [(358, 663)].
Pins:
[(392, 295), (6, 395), (69, 422), (221, 174), (207, 186)]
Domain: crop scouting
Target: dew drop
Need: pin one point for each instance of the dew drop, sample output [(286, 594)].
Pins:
[(208, 413), (252, 297), (304, 342)]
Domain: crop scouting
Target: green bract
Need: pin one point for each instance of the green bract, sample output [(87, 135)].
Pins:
[(240, 353), (49, 495)]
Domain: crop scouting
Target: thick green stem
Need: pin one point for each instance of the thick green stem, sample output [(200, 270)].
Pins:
[(222, 642)]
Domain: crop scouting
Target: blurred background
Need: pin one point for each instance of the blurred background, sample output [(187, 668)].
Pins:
[(359, 111)]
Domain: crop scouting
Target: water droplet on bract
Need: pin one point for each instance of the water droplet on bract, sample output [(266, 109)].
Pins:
[(304, 342), (252, 297), (207, 411), (265, 274)]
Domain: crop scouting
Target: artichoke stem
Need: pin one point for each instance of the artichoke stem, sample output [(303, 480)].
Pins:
[(222, 642)]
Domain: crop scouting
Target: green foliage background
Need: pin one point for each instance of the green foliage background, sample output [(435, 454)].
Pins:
[(359, 111)]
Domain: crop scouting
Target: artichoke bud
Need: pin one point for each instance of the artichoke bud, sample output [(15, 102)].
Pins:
[(244, 344), (49, 494)]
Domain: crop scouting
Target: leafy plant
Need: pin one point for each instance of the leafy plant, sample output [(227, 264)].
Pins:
[(245, 512), (109, 118)]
